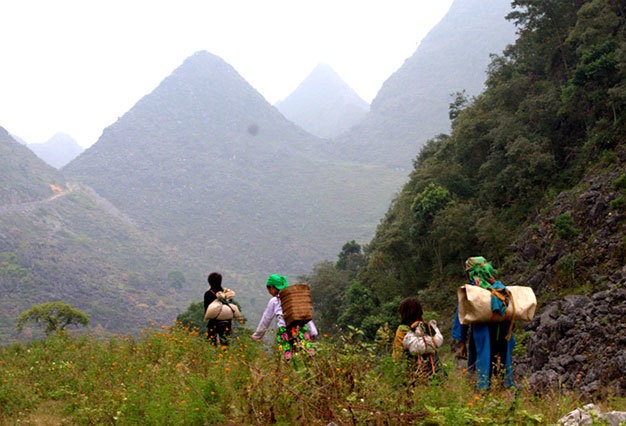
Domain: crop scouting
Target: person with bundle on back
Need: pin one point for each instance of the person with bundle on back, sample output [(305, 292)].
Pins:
[(292, 336), (416, 341), (219, 310), (488, 346)]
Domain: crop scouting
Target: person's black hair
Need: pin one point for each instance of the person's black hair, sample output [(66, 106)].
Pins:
[(215, 281), (410, 311)]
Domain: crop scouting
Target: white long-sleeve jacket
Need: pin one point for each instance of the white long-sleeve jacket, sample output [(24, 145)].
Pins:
[(275, 310), (419, 344)]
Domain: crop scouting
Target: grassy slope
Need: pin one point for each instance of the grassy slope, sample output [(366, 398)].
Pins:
[(71, 249), (172, 376)]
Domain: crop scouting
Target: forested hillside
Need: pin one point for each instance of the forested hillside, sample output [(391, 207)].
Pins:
[(532, 177)]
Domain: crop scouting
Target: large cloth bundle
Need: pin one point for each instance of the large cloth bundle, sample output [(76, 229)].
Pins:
[(223, 307), (475, 305), (296, 304)]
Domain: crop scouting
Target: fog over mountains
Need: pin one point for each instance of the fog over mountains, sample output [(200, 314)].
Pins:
[(57, 151), (323, 104), (209, 165), (412, 106), (203, 174)]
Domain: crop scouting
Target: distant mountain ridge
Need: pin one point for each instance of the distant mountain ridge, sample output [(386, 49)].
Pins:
[(24, 177), (323, 104), (58, 150), (412, 105), (210, 166)]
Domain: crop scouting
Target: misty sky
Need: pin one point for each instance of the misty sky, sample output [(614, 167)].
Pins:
[(75, 66)]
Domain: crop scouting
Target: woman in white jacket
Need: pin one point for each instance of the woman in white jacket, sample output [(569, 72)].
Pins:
[(289, 337), (417, 341)]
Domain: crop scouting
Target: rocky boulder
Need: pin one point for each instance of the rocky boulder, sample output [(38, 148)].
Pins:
[(574, 257)]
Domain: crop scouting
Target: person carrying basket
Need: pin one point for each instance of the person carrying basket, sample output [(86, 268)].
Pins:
[(295, 332)]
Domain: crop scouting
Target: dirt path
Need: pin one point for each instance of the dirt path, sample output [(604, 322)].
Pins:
[(29, 207)]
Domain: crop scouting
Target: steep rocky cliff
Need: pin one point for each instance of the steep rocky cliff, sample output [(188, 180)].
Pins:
[(577, 268)]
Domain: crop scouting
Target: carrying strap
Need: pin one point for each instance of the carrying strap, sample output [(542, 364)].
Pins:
[(431, 357), (506, 299), (224, 302)]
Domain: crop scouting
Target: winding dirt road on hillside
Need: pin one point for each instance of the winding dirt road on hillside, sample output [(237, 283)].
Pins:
[(29, 207)]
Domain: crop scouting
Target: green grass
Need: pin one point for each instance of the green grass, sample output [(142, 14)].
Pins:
[(173, 376)]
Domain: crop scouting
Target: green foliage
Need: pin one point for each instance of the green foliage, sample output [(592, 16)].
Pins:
[(351, 257), (328, 284), (565, 227), (428, 202), (176, 279), (10, 268), (618, 203), (193, 317), (460, 102), (53, 316), (360, 303), (620, 183)]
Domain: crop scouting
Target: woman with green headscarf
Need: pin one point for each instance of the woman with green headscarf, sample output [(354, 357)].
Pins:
[(289, 338), (489, 345)]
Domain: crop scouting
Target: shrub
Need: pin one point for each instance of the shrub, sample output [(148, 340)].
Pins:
[(564, 226)]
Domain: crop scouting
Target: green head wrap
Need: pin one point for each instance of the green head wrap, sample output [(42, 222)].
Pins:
[(478, 267), (277, 281)]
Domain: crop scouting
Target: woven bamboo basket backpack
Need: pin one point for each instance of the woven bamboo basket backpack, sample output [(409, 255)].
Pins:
[(296, 303)]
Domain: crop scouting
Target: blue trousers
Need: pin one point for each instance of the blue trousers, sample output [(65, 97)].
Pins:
[(487, 348)]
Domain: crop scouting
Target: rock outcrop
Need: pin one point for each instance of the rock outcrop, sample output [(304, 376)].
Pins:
[(578, 272)]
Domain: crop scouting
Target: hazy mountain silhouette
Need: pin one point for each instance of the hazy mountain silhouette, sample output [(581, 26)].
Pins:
[(209, 165), (58, 150), (23, 176), (323, 104), (412, 105), (60, 241)]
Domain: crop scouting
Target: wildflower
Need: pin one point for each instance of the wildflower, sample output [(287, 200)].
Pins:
[(470, 404)]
